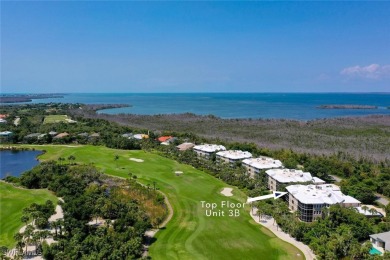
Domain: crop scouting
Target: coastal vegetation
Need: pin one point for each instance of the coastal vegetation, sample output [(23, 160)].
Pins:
[(18, 98), (360, 137), (127, 208)]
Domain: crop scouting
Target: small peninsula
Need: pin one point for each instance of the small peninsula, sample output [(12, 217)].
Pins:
[(18, 98), (347, 107)]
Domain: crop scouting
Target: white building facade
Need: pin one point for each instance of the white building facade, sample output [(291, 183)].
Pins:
[(278, 177), (255, 165), (233, 156), (206, 150)]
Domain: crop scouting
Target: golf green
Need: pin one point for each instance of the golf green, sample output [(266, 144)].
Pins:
[(229, 233)]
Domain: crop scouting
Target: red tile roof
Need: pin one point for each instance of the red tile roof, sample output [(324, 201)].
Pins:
[(164, 138)]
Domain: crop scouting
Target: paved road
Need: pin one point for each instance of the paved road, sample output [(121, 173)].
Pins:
[(381, 199)]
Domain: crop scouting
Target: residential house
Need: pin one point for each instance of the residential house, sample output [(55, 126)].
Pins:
[(185, 146), (140, 136), (53, 133), (127, 135), (61, 135), (5, 135), (381, 241)]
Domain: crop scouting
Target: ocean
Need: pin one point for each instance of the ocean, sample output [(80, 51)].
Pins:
[(300, 106)]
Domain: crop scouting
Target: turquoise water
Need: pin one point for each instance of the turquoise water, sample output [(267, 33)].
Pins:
[(301, 106), (374, 251), (14, 163)]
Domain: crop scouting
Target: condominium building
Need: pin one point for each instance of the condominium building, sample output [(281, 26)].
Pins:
[(278, 177), (309, 200), (255, 165), (205, 150), (232, 156)]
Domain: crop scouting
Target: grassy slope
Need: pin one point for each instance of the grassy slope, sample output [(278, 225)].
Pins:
[(12, 202), (190, 234)]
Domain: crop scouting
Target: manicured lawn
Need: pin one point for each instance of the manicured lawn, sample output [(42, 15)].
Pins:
[(12, 202), (190, 234), (55, 119)]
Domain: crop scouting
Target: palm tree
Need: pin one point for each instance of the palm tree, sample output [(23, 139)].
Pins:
[(373, 211), (18, 237), (25, 219), (60, 224), (3, 252), (260, 212), (71, 158), (60, 160), (27, 234), (116, 158), (35, 239), (54, 226)]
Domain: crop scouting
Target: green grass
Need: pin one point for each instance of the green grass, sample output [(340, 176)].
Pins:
[(190, 234), (12, 202), (55, 119)]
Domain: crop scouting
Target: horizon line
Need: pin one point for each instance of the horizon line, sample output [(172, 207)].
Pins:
[(209, 92)]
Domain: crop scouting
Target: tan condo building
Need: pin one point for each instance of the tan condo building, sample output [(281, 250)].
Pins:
[(309, 200)]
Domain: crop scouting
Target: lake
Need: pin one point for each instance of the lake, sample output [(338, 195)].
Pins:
[(14, 163)]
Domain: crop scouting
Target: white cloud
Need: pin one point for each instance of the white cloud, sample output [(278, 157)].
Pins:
[(373, 71)]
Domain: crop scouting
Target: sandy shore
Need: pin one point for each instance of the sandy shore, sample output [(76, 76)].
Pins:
[(59, 214), (227, 192), (268, 222)]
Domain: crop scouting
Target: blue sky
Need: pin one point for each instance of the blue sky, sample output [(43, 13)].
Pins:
[(195, 46)]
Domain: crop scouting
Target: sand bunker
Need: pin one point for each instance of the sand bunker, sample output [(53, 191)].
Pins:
[(227, 192), (136, 160), (59, 214)]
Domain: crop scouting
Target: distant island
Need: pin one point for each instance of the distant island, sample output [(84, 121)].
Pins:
[(17, 98), (346, 107)]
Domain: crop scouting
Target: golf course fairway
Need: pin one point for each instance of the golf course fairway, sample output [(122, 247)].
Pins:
[(190, 234), (12, 202)]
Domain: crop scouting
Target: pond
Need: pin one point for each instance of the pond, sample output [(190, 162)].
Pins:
[(14, 163)]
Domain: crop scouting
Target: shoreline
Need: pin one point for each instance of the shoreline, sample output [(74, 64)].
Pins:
[(254, 105)]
